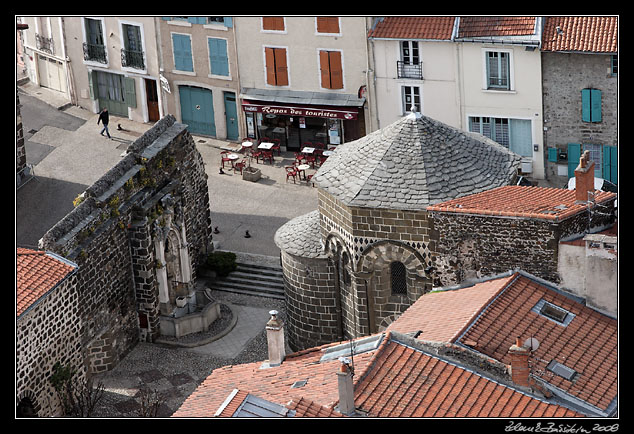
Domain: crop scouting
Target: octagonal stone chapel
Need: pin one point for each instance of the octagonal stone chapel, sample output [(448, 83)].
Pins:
[(352, 266)]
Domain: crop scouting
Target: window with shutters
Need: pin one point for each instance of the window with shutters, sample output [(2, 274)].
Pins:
[(274, 24), (276, 66), (218, 59), (182, 48), (591, 105), (94, 48), (498, 70), (328, 25), (132, 52), (331, 69), (398, 278)]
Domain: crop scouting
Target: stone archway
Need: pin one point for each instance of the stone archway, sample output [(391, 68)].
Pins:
[(375, 268), (27, 405)]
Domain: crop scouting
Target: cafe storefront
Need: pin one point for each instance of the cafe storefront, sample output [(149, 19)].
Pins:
[(295, 124)]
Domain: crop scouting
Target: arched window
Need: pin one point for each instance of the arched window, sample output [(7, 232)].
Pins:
[(398, 278)]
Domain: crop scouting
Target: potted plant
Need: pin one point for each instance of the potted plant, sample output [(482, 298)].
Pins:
[(249, 173)]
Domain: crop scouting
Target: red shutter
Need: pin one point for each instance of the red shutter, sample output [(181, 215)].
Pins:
[(325, 69), (270, 66), (281, 69), (336, 71)]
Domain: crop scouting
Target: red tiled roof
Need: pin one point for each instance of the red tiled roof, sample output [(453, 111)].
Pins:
[(37, 272), (443, 315), (585, 34), (414, 28), (521, 201), (306, 408), (588, 344), (405, 382), (472, 27)]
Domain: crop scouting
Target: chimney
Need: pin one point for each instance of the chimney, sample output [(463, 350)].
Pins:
[(346, 389), (275, 339), (584, 177), (519, 363)]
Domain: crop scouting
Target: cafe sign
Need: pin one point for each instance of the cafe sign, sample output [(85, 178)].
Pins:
[(299, 111)]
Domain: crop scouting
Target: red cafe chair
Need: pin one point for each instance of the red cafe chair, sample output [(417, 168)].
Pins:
[(291, 172)]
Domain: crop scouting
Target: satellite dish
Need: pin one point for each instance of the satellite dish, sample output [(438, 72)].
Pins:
[(531, 343)]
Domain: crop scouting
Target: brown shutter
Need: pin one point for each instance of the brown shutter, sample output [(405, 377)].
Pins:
[(328, 24), (273, 23), (281, 69), (270, 66), (325, 69), (336, 71)]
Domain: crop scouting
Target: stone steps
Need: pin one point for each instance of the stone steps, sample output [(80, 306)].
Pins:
[(253, 279)]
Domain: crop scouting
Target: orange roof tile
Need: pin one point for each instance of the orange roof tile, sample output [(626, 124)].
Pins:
[(521, 201), (588, 344), (37, 272), (306, 408), (408, 382), (584, 34), (413, 28), (443, 315), (474, 26)]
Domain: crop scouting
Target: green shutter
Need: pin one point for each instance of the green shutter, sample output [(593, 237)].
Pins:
[(574, 153), (595, 105), (130, 91), (585, 105), (552, 155), (228, 21), (610, 163), (218, 56), (166, 18), (92, 84)]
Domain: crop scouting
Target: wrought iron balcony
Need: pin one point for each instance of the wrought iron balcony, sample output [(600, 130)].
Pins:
[(132, 59), (95, 53), (44, 44), (409, 70)]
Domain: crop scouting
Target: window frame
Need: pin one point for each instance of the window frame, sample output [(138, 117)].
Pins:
[(486, 70), (211, 71), (123, 23), (328, 52), (282, 31), (103, 35), (401, 274), (318, 33), (406, 107), (275, 67)]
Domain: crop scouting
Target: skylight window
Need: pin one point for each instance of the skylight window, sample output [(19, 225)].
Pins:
[(360, 346), (562, 370), (554, 313)]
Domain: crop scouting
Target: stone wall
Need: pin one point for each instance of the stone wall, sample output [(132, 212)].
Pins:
[(20, 150), (109, 236), (472, 246), (564, 75), (49, 332)]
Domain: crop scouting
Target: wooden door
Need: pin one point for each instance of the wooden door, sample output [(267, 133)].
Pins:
[(152, 100)]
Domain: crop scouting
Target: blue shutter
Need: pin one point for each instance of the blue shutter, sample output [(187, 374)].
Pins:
[(182, 53), (228, 21), (218, 56), (574, 153), (595, 105), (610, 163), (166, 18), (552, 155), (585, 105)]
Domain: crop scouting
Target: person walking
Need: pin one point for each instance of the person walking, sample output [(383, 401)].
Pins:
[(104, 118)]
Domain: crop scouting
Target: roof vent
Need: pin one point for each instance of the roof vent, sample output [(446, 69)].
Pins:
[(562, 370)]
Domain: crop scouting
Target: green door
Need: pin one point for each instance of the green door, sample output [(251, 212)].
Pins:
[(231, 114), (197, 110)]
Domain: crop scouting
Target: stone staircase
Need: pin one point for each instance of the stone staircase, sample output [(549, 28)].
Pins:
[(253, 279)]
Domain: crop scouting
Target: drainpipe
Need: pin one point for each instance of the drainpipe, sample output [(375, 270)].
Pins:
[(338, 300)]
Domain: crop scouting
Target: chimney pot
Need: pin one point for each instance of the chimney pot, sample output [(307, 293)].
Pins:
[(346, 388), (520, 370), (275, 339), (584, 177)]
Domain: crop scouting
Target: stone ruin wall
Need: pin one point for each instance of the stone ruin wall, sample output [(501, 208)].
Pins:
[(109, 236)]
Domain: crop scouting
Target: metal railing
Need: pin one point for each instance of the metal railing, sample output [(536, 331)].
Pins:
[(409, 70), (44, 44), (132, 59), (95, 52)]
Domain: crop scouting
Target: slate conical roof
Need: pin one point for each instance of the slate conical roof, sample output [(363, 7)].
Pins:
[(413, 163)]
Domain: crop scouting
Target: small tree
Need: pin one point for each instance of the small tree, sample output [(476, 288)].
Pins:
[(150, 402), (78, 396)]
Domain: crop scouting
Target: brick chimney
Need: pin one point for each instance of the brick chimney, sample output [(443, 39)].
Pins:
[(346, 388), (519, 363), (275, 339), (584, 177)]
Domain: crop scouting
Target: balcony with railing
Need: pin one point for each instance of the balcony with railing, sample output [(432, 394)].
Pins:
[(132, 59), (409, 70), (44, 44), (95, 53)]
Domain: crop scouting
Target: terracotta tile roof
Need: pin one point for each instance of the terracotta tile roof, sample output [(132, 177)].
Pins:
[(307, 408), (521, 201), (407, 382), (37, 272), (273, 384), (474, 26), (413, 28), (588, 344), (584, 34), (442, 316)]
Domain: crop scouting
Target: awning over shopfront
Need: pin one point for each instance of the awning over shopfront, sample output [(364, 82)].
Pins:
[(296, 103)]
